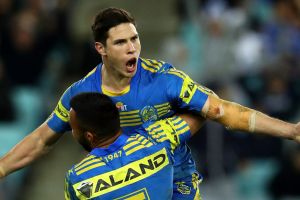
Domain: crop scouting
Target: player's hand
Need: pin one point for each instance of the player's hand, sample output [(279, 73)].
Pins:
[(297, 135)]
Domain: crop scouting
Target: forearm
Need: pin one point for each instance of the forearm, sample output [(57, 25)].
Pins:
[(29, 149), (275, 127), (237, 117)]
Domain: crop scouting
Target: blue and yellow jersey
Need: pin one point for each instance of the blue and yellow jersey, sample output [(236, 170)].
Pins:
[(139, 166), (156, 91)]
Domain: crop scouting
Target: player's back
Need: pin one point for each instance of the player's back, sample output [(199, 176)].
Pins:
[(133, 167)]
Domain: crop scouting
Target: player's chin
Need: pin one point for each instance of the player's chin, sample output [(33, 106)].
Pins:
[(129, 73)]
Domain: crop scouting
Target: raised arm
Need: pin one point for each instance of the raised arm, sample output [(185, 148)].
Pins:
[(29, 149), (237, 117)]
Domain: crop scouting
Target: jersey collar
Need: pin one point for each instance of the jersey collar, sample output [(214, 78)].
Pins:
[(126, 90), (120, 141)]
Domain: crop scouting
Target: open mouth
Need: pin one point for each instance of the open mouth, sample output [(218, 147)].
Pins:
[(131, 64)]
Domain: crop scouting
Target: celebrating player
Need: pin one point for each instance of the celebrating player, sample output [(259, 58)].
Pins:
[(143, 90)]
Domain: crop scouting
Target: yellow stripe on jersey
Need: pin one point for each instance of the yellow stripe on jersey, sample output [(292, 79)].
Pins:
[(129, 112), (92, 161), (129, 117), (131, 144), (148, 68), (61, 112), (91, 72), (178, 124), (178, 73), (151, 65), (182, 129), (154, 128), (155, 62), (66, 191), (168, 129), (175, 119), (142, 139), (163, 112), (188, 90), (163, 109), (130, 120), (88, 158), (135, 143), (138, 147), (90, 168), (114, 94), (164, 105), (132, 124), (126, 175)]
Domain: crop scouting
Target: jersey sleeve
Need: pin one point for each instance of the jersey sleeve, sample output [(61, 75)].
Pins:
[(69, 190), (184, 93), (59, 119), (171, 131)]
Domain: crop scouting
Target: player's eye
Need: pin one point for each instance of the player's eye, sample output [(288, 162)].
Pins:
[(133, 39), (119, 42)]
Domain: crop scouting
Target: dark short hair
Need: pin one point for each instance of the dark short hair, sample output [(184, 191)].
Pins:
[(96, 113), (108, 18)]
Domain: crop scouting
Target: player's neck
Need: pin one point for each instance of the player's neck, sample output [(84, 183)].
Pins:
[(113, 81), (109, 141)]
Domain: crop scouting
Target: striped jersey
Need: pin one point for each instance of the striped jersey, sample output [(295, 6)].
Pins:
[(135, 166), (156, 91)]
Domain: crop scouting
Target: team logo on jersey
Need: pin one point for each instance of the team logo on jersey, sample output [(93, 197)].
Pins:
[(183, 188), (148, 113), (121, 106), (86, 189)]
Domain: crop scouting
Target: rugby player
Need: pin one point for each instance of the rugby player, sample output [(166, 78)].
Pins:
[(143, 90)]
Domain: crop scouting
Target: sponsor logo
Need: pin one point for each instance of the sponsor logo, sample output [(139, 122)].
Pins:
[(121, 106), (126, 175), (86, 189), (188, 90), (62, 112), (131, 173)]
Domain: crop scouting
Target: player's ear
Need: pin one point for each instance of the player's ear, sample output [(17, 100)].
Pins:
[(100, 48), (89, 136)]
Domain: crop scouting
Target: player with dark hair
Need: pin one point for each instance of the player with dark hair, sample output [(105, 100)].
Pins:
[(119, 166), (143, 90)]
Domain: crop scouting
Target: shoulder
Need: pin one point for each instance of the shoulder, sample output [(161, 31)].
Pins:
[(85, 84), (137, 142), (85, 165), (160, 71), (89, 78), (155, 66)]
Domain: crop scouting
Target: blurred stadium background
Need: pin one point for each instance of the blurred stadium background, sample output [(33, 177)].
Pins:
[(248, 51)]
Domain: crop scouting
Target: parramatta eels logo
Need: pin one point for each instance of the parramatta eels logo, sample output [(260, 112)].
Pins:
[(148, 113), (183, 188), (86, 189)]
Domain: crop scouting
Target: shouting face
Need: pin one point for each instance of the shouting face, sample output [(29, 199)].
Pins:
[(121, 51)]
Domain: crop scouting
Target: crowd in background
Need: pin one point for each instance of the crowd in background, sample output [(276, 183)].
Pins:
[(247, 51)]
